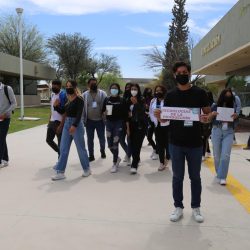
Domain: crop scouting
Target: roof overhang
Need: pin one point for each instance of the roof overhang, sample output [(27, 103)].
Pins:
[(225, 50), (10, 65)]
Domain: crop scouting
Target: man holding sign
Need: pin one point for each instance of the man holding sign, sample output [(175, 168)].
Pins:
[(183, 107)]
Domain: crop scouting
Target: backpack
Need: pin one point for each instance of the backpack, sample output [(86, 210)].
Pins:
[(7, 95)]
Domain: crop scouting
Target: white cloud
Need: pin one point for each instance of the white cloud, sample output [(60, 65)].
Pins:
[(77, 7), (128, 48), (195, 29), (202, 31), (213, 22), (147, 32)]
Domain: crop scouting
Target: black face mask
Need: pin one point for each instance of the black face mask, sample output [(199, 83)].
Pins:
[(70, 91), (55, 90), (182, 79), (159, 95), (227, 99), (93, 87)]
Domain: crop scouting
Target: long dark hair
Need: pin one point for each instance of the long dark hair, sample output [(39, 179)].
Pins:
[(145, 93), (117, 85), (126, 94), (221, 100), (139, 95), (163, 89), (74, 86)]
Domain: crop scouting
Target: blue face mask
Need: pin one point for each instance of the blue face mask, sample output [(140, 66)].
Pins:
[(114, 92)]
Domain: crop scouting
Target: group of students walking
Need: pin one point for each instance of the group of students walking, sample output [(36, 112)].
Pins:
[(128, 120)]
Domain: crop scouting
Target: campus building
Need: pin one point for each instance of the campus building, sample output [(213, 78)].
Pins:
[(225, 51), (33, 72)]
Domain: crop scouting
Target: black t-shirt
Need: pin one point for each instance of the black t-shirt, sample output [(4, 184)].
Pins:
[(119, 110), (180, 135), (75, 109)]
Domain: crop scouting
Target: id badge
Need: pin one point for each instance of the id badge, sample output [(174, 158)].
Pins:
[(225, 126), (188, 123), (94, 105)]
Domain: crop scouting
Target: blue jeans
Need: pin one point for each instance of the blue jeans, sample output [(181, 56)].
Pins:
[(126, 146), (222, 144), (193, 157), (113, 130), (65, 144), (99, 126), (4, 127)]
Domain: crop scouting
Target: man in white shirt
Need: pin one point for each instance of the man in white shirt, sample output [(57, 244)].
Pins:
[(58, 100)]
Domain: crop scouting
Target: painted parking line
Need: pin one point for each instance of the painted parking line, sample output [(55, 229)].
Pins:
[(239, 191), (239, 146)]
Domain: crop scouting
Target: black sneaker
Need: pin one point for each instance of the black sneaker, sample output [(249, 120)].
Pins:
[(103, 155), (91, 158)]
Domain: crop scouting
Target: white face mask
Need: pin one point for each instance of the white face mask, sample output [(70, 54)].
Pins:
[(134, 92)]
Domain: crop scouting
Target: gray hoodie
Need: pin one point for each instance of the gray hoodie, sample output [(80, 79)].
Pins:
[(6, 107)]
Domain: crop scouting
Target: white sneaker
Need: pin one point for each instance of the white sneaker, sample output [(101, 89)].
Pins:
[(197, 215), (208, 155), (129, 162), (118, 162), (133, 170), (58, 176), (166, 162), (203, 158), (223, 182), (176, 215), (86, 173), (113, 169), (152, 153), (4, 164), (154, 156), (161, 167)]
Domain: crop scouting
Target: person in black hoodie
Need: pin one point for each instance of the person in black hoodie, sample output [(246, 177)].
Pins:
[(126, 145), (116, 112), (138, 123)]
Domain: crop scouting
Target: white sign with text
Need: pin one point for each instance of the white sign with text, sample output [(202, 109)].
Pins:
[(225, 114), (182, 114)]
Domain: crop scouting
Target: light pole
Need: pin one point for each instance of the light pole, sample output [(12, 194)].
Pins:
[(19, 11)]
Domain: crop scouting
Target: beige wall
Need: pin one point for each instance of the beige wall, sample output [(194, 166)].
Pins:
[(233, 30), (29, 100), (10, 65)]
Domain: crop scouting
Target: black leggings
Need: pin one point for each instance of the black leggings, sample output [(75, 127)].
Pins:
[(206, 147), (150, 133), (51, 134), (137, 134), (161, 135)]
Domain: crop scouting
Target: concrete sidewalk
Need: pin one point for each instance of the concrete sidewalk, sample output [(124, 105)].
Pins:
[(113, 211)]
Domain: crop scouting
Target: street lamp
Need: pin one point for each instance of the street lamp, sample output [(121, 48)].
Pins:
[(19, 12)]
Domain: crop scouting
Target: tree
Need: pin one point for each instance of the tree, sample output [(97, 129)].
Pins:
[(33, 42), (105, 64), (100, 67), (72, 51), (110, 78), (177, 47)]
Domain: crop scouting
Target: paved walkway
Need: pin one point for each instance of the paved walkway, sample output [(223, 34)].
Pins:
[(114, 211)]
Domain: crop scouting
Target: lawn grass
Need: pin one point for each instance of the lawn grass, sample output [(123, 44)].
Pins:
[(40, 112)]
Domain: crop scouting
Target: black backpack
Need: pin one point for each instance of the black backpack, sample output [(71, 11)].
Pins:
[(7, 95)]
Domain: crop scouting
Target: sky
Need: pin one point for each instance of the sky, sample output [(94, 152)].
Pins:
[(123, 28)]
